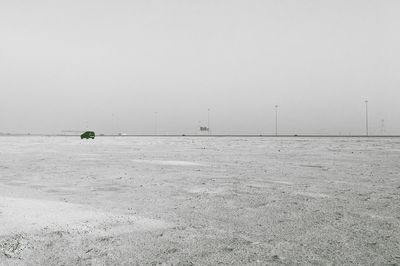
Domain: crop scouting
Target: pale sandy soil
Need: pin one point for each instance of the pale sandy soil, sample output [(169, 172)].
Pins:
[(199, 201)]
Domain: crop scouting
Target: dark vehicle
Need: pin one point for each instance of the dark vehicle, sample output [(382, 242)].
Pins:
[(88, 135)]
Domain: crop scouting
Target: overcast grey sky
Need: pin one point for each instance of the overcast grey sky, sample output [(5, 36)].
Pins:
[(69, 64)]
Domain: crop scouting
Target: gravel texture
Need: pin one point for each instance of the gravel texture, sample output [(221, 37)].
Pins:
[(199, 201)]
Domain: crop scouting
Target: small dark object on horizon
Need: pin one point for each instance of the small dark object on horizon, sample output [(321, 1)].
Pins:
[(88, 135)]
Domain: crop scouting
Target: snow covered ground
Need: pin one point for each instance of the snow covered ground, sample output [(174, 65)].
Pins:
[(199, 201)]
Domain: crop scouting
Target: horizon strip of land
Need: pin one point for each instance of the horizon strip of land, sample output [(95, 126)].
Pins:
[(208, 136)]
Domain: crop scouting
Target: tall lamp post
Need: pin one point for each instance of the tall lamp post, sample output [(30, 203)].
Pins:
[(208, 121), (156, 123), (366, 118), (112, 124), (276, 120)]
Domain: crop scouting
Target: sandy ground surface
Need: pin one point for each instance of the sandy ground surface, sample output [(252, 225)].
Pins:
[(199, 201)]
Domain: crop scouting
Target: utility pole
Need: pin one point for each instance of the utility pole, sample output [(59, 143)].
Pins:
[(276, 120), (366, 118)]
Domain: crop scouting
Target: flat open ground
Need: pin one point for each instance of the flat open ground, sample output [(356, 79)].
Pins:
[(199, 201)]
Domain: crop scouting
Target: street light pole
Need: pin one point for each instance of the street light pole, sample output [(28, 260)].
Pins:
[(112, 124), (276, 120), (208, 121), (156, 123), (366, 118)]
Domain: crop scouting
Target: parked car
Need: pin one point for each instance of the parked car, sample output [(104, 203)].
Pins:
[(88, 135)]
